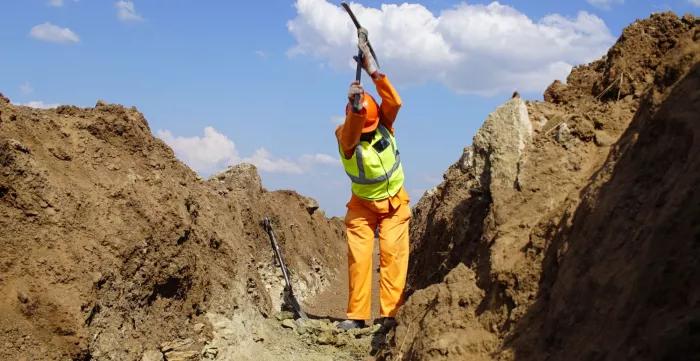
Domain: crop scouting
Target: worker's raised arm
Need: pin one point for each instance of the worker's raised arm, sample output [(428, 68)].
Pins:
[(349, 133), (391, 102)]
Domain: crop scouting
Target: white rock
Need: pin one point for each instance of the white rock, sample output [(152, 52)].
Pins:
[(466, 161), (499, 143), (563, 133), (152, 355), (242, 176), (497, 148)]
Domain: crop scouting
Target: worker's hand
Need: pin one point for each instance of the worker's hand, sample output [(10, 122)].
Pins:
[(355, 88), (366, 58)]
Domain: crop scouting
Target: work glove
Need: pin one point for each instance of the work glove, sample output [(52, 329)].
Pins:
[(355, 88), (366, 58)]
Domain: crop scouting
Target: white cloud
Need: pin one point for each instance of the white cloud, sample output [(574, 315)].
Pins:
[(337, 119), (52, 33), (215, 151), (469, 48), (57, 3), (26, 88), (320, 159), (266, 162), (38, 104), (606, 4), (261, 53), (206, 154), (694, 2), (126, 11)]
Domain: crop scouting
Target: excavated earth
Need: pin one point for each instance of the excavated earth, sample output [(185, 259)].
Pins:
[(112, 249), (570, 228)]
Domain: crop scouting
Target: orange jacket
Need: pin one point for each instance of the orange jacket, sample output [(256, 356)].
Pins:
[(348, 135)]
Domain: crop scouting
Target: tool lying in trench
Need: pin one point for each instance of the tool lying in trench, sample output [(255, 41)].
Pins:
[(288, 294), (362, 37)]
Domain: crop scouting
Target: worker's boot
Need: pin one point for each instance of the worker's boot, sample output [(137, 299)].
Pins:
[(389, 323), (386, 324), (350, 324)]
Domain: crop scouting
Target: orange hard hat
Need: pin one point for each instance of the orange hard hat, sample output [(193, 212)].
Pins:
[(371, 112)]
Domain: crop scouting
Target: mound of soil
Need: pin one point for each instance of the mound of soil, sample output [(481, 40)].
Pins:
[(112, 249), (569, 230)]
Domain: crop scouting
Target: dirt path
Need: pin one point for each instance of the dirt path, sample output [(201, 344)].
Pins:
[(332, 303)]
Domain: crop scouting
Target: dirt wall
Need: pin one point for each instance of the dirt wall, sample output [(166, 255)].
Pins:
[(572, 238), (111, 247)]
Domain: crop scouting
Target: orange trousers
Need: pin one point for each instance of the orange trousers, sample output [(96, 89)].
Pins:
[(361, 223)]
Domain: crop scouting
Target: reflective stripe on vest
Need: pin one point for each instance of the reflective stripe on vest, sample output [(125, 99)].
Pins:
[(375, 186)]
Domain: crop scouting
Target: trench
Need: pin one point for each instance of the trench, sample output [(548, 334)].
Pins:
[(280, 337)]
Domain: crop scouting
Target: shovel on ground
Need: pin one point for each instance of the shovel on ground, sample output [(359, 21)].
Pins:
[(288, 294)]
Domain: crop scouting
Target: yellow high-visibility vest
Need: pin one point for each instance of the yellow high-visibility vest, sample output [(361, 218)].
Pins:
[(375, 168)]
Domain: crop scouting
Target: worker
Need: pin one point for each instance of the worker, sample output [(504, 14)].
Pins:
[(370, 156)]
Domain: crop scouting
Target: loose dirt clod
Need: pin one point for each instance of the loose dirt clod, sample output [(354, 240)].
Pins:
[(325, 332)]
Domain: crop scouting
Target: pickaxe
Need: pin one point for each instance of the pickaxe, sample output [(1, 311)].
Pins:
[(362, 36)]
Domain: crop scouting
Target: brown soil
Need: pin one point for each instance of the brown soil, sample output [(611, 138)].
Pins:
[(110, 246), (595, 254)]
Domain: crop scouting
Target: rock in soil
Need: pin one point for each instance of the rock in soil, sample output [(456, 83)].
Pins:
[(182, 356), (152, 355), (326, 337), (284, 315), (289, 323), (602, 139)]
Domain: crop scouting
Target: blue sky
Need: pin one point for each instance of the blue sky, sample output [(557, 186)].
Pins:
[(268, 79)]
